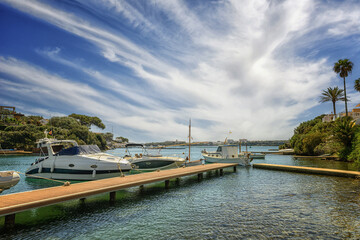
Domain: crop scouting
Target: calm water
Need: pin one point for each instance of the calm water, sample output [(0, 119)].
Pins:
[(248, 204)]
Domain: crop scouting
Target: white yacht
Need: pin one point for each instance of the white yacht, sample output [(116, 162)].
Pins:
[(226, 154), (151, 162), (67, 160)]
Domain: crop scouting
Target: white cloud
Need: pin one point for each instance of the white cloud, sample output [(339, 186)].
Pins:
[(233, 65)]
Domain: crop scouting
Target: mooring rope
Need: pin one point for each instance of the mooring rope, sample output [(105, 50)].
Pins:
[(66, 183)]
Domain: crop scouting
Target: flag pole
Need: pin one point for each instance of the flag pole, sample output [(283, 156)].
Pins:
[(189, 138)]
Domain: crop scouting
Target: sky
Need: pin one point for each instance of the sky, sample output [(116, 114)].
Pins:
[(239, 69)]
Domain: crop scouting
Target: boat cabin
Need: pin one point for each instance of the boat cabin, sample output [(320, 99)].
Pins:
[(228, 151)]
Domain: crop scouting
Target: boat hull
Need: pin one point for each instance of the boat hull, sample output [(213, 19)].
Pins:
[(240, 160), (8, 179), (85, 176), (79, 167), (153, 164)]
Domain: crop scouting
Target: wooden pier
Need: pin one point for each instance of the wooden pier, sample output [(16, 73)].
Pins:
[(310, 170), (18, 202)]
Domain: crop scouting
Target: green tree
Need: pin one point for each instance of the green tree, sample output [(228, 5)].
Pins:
[(357, 85), (343, 67), (121, 139), (344, 132), (108, 136), (332, 94), (88, 121)]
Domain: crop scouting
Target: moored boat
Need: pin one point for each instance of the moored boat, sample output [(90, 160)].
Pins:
[(67, 160), (227, 154), (8, 179), (151, 162)]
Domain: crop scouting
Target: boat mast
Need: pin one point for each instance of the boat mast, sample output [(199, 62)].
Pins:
[(189, 138)]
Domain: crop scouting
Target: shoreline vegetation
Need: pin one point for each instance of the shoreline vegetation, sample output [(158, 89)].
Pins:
[(339, 139), (19, 135)]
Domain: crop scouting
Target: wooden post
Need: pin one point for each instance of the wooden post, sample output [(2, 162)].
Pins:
[(9, 221), (167, 183), (217, 172), (234, 168), (82, 200), (200, 176), (112, 197), (141, 188), (177, 181), (221, 172)]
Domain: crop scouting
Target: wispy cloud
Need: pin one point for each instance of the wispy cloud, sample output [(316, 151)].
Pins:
[(230, 64)]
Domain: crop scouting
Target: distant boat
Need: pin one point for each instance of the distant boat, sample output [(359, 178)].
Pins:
[(8, 179), (253, 155), (67, 160), (151, 162), (226, 154)]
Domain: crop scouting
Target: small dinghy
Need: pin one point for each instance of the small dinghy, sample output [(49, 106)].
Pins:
[(8, 179)]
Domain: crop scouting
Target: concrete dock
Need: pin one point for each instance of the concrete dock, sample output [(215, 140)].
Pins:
[(310, 170), (17, 202)]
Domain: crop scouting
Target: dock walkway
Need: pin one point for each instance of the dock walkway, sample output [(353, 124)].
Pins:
[(311, 170), (18, 202)]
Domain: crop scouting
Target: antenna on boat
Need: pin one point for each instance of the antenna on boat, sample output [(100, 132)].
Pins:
[(189, 138)]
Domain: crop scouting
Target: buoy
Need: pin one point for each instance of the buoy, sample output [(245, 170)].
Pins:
[(94, 173)]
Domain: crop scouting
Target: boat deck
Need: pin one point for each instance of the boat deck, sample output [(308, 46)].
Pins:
[(18, 202)]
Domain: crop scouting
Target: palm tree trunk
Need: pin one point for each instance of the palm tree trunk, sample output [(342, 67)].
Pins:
[(346, 110), (334, 109)]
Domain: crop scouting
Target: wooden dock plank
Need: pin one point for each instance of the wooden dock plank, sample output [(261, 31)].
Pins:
[(23, 201), (311, 170)]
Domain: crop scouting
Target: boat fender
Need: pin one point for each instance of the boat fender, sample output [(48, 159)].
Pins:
[(52, 167), (94, 173), (40, 168)]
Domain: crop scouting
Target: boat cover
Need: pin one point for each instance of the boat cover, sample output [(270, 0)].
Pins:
[(82, 149)]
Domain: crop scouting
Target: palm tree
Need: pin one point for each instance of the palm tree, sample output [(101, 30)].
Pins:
[(332, 94), (357, 85), (343, 67)]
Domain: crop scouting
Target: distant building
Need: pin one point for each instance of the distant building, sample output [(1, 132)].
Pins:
[(355, 114), (9, 112), (329, 118)]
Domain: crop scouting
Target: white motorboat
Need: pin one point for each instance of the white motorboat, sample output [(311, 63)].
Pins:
[(151, 162), (8, 179), (226, 154), (67, 160)]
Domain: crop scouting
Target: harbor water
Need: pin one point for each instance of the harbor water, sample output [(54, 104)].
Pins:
[(248, 204)]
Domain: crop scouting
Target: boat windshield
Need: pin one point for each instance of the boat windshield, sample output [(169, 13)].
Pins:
[(82, 149), (219, 149)]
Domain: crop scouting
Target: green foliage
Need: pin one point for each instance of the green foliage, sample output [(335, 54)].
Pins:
[(24, 133), (88, 121), (20, 137), (357, 85), (341, 138), (310, 137), (121, 139), (344, 132), (355, 153)]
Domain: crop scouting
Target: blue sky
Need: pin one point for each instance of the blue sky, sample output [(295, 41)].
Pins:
[(255, 68)]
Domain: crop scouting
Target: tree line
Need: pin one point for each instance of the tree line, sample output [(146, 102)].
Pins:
[(23, 133)]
